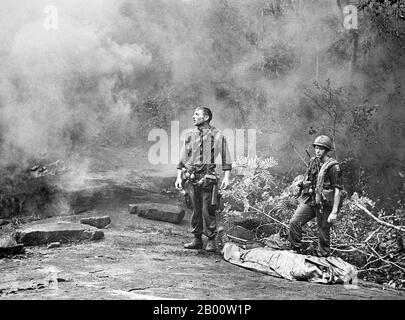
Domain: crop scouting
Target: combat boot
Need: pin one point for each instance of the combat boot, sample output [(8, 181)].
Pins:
[(197, 243), (211, 247)]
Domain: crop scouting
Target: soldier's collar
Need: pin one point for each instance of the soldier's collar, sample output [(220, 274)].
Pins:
[(202, 130)]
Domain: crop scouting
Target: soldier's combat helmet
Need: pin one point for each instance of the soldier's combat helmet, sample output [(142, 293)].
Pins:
[(323, 141)]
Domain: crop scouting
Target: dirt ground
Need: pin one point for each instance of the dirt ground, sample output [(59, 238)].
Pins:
[(145, 260)]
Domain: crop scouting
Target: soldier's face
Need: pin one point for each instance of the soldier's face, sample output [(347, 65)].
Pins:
[(320, 152), (199, 118)]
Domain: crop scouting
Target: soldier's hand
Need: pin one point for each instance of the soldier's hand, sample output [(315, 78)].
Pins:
[(225, 183), (178, 184), (332, 217)]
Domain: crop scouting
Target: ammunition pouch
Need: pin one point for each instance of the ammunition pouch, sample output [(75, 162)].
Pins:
[(205, 181), (208, 181), (307, 191), (328, 196)]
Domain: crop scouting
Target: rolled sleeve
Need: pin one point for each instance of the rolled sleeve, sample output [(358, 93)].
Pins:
[(336, 177), (183, 152)]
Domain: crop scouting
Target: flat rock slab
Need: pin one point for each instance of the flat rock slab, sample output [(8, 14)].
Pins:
[(98, 222), (11, 250), (158, 211), (63, 232)]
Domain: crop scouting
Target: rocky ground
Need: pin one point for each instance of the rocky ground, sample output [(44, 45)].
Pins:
[(144, 259)]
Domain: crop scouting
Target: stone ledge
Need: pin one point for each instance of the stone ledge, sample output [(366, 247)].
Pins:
[(98, 222), (158, 211), (63, 232)]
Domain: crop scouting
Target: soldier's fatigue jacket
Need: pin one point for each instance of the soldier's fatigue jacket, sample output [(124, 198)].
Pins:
[(332, 180), (201, 149), (199, 155)]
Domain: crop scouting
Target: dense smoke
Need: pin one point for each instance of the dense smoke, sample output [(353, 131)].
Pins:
[(113, 70), (58, 87)]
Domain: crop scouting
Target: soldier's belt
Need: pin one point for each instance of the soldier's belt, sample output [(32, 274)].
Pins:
[(199, 178)]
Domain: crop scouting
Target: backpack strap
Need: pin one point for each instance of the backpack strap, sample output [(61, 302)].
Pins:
[(321, 178)]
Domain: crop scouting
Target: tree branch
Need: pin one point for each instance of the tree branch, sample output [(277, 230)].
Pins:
[(317, 103), (262, 212), (378, 220)]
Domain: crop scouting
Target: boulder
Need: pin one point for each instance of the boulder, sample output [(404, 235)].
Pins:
[(62, 232), (94, 235), (158, 211), (98, 222)]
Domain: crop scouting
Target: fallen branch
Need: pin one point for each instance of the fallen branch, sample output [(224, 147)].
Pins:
[(378, 220), (236, 238), (283, 224), (344, 250), (394, 264), (268, 216), (375, 260), (372, 234), (374, 269), (374, 253)]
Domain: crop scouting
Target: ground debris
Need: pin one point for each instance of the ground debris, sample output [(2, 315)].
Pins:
[(95, 271), (138, 288), (53, 245), (23, 286)]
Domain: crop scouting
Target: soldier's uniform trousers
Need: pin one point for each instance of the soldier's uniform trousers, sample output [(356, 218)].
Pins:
[(302, 215), (203, 219)]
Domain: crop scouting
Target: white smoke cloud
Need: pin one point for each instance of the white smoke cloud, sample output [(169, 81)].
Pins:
[(53, 80)]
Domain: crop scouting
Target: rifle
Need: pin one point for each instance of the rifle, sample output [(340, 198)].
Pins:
[(299, 155), (302, 186), (309, 156), (305, 184)]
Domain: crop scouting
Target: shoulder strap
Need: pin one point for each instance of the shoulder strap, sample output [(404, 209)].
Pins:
[(321, 177)]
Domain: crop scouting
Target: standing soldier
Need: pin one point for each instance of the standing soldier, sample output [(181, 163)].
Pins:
[(321, 197), (196, 169)]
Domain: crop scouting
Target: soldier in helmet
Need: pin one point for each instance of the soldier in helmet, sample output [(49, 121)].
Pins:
[(321, 198), (196, 172)]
